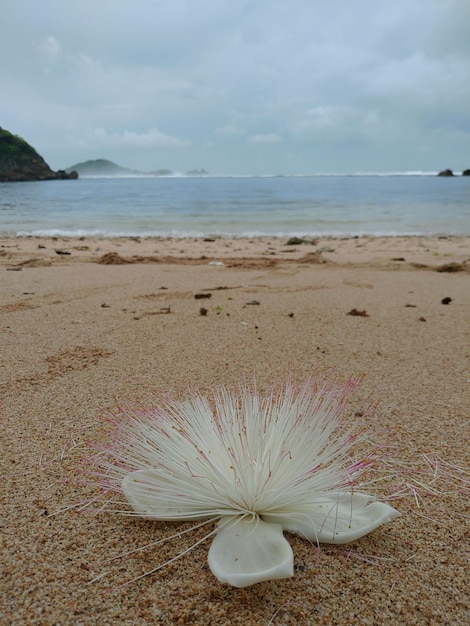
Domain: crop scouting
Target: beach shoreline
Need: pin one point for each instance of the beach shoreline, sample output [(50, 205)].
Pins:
[(367, 250), (88, 322)]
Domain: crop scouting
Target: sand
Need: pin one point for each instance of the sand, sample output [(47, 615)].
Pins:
[(86, 323)]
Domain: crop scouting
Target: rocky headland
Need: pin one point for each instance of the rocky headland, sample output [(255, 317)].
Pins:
[(20, 162)]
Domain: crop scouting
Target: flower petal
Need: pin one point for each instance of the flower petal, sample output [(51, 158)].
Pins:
[(340, 518), (139, 489), (152, 495), (248, 551)]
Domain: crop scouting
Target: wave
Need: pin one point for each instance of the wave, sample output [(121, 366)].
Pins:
[(245, 234), (406, 173), (313, 175)]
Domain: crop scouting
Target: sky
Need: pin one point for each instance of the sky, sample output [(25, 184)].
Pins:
[(240, 87)]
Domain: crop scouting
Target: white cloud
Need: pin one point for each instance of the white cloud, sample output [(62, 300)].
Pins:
[(150, 140), (229, 129), (269, 138), (330, 121), (328, 116), (50, 50)]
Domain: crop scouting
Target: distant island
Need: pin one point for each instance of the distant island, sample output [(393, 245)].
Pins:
[(20, 162), (100, 167), (197, 173), (103, 167)]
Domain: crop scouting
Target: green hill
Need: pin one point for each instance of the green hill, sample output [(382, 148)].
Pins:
[(20, 162), (100, 167), (103, 167)]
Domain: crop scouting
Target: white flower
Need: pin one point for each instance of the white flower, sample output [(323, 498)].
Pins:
[(258, 465)]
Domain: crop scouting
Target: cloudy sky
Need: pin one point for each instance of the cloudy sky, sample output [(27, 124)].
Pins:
[(240, 86)]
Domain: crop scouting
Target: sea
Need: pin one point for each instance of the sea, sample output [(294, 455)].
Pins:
[(388, 204)]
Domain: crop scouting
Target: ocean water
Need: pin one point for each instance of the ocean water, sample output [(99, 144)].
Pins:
[(334, 205)]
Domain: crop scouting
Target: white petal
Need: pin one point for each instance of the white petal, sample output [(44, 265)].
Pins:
[(139, 489), (151, 495), (248, 551), (341, 518)]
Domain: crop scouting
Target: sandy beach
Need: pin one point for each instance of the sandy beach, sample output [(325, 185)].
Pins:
[(87, 323)]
